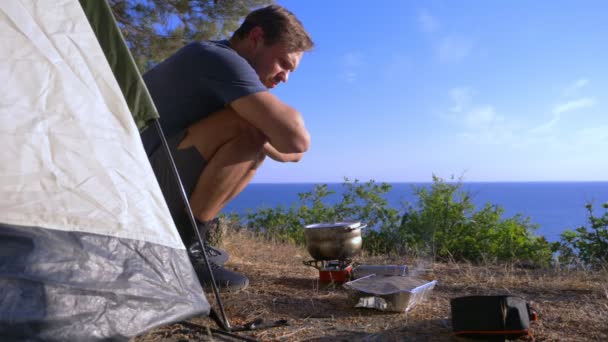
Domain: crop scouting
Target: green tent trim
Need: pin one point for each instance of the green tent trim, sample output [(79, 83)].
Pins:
[(121, 61)]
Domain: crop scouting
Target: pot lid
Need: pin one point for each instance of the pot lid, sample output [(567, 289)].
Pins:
[(339, 224)]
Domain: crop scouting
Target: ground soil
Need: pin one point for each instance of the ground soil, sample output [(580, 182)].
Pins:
[(572, 305)]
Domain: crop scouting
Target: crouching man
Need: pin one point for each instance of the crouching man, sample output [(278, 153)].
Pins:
[(221, 121)]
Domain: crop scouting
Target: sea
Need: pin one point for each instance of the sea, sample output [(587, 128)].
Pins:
[(553, 206)]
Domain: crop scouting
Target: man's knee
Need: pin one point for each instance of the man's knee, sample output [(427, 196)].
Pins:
[(253, 140), (223, 127), (254, 137)]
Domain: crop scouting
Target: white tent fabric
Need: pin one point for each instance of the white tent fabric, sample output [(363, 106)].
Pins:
[(88, 249), (71, 158)]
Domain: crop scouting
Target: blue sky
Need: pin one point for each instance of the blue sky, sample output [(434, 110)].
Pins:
[(492, 90)]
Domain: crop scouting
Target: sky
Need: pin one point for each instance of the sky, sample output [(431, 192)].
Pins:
[(397, 91)]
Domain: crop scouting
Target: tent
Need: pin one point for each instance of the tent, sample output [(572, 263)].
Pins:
[(88, 249)]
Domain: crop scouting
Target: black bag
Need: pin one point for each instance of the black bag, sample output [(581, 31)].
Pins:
[(491, 316)]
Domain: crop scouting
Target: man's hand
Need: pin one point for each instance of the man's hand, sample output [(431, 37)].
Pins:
[(273, 154)]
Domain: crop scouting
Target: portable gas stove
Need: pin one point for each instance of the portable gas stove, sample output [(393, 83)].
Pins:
[(332, 271)]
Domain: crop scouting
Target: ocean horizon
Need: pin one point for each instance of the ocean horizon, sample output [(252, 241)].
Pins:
[(553, 205)]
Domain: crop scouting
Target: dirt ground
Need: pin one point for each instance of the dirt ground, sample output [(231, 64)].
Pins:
[(572, 305)]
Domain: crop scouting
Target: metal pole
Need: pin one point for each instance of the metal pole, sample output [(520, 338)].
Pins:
[(180, 186)]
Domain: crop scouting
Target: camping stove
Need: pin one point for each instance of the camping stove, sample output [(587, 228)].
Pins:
[(332, 271)]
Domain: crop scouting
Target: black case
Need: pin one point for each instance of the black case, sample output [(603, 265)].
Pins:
[(491, 316)]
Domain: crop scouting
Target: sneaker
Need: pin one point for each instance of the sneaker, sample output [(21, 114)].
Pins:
[(225, 279), (215, 255)]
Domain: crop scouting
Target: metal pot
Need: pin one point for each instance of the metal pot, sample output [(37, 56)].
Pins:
[(333, 241)]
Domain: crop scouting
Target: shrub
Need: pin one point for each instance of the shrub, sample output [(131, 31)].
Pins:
[(590, 247), (445, 225)]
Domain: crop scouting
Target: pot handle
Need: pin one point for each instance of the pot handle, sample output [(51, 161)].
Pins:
[(350, 229)]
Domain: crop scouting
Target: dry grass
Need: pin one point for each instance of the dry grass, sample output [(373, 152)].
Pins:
[(573, 306)]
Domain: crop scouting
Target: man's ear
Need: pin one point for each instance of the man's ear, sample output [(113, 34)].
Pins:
[(256, 36)]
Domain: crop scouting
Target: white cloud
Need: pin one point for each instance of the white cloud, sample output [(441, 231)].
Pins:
[(562, 108), (351, 62), (569, 106), (427, 22), (350, 76), (573, 88), (483, 117), (454, 48), (479, 123), (573, 105), (482, 128), (448, 47), (352, 59), (461, 98), (546, 127), (483, 125)]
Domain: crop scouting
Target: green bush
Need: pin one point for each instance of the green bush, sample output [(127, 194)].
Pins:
[(589, 247), (443, 224)]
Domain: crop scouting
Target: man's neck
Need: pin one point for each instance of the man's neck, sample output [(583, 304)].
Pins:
[(240, 46)]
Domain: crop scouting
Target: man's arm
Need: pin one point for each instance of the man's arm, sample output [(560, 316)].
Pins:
[(280, 123), (281, 157)]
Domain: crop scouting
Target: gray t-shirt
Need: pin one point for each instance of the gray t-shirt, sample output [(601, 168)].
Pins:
[(199, 79)]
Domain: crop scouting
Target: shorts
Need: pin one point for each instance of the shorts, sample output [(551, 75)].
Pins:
[(190, 164)]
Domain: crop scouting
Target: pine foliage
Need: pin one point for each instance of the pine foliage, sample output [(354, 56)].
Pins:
[(154, 29)]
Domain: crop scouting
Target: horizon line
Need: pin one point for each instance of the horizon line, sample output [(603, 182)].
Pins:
[(430, 182)]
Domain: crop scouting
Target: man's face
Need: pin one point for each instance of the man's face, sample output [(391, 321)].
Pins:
[(274, 63)]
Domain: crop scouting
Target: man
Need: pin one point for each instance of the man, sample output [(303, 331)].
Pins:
[(221, 121)]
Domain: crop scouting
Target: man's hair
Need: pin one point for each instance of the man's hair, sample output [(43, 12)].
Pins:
[(279, 25)]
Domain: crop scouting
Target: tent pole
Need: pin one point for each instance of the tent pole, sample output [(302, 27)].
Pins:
[(225, 324)]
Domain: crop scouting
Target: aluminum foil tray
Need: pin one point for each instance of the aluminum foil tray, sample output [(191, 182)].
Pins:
[(392, 293)]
